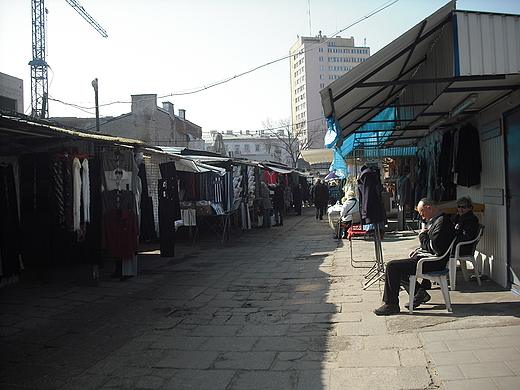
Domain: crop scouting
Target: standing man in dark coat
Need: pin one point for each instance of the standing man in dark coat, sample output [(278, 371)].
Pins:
[(435, 240), (320, 194), (297, 198), (265, 205), (279, 204)]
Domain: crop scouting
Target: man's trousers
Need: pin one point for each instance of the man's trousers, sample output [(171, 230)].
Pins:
[(398, 274)]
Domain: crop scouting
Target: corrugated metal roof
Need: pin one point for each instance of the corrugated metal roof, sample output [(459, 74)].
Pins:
[(20, 131)]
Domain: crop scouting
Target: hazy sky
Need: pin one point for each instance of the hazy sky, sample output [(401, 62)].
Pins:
[(174, 47)]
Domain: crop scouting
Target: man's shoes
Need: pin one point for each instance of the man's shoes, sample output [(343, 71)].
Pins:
[(421, 297), (387, 310)]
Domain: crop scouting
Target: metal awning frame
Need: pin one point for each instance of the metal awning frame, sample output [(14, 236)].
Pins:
[(418, 75)]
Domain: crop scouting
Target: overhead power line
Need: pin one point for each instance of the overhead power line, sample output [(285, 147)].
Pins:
[(228, 79)]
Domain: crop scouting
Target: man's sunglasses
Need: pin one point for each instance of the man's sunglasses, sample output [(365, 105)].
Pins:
[(463, 207)]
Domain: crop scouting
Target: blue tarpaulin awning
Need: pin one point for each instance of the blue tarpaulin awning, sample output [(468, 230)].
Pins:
[(372, 135)]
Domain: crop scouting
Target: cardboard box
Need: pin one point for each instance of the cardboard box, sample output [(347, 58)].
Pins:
[(204, 210)]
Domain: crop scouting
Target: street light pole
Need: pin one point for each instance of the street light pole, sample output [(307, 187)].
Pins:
[(95, 85)]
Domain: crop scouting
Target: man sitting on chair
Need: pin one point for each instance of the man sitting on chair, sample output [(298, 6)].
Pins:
[(435, 240)]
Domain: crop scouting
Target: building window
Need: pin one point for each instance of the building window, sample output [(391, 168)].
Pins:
[(321, 58), (257, 148), (340, 68), (246, 148), (320, 49), (322, 86), (237, 149), (322, 67), (322, 77)]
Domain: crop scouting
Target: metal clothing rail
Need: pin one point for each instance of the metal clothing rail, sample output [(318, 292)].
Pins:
[(377, 272), (217, 223)]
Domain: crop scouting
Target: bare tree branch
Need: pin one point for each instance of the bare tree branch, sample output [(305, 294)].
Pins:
[(285, 138), (289, 138)]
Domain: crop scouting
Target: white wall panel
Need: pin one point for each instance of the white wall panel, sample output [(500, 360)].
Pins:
[(494, 242), (488, 43)]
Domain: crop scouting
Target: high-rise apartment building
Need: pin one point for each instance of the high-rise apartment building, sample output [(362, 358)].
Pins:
[(315, 63)]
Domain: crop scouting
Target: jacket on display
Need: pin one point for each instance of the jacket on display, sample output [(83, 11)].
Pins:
[(369, 190)]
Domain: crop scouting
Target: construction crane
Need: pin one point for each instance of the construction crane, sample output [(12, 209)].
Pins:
[(39, 67)]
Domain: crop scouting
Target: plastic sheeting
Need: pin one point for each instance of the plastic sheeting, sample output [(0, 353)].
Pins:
[(371, 135)]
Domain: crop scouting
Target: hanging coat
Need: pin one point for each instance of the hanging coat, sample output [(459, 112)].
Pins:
[(369, 190), (469, 163), (169, 208)]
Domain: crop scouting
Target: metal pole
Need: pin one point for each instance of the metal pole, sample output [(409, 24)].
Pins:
[(95, 85), (378, 270)]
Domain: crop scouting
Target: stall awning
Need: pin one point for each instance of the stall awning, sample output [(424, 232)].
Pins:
[(434, 75), (197, 167), (317, 156), (278, 170), (195, 163), (201, 165)]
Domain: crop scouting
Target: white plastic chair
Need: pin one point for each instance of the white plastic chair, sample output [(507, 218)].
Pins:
[(440, 277), (465, 258)]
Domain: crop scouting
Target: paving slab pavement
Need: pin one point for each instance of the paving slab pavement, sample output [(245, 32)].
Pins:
[(280, 308)]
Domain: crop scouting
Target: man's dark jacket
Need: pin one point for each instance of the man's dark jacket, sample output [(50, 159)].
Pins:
[(320, 194), (438, 238)]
